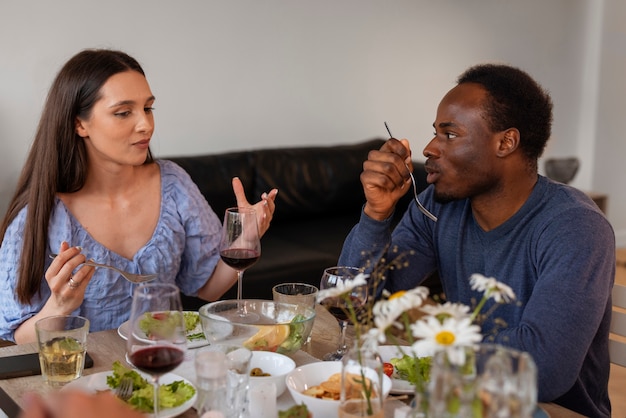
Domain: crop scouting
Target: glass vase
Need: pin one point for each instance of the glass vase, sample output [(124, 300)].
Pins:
[(361, 383), (486, 380)]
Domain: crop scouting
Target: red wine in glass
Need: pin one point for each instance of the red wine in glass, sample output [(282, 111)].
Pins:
[(240, 247), (332, 277), (160, 349), (157, 360), (240, 258), (338, 308)]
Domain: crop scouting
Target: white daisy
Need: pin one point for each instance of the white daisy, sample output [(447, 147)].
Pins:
[(492, 288), (386, 312), (434, 335), (446, 310), (342, 287)]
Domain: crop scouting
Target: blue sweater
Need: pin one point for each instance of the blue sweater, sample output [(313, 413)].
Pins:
[(557, 253)]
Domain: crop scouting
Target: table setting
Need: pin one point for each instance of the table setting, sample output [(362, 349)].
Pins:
[(265, 397)]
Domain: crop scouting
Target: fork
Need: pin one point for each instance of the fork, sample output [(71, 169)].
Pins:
[(419, 204), (131, 277), (125, 390)]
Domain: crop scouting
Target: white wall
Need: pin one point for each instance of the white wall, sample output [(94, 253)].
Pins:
[(236, 74)]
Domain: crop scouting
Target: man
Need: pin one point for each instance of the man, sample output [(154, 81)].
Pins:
[(498, 217)]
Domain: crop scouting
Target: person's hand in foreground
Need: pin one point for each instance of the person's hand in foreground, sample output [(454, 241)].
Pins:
[(77, 404)]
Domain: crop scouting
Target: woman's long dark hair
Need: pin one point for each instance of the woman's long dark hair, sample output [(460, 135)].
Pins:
[(57, 161)]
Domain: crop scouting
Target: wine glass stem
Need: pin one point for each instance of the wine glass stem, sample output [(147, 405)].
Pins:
[(239, 280), (155, 382), (342, 337)]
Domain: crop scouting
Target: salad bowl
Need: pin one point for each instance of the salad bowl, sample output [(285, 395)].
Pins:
[(266, 326)]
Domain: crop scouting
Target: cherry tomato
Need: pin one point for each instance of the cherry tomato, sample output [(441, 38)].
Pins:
[(388, 369)]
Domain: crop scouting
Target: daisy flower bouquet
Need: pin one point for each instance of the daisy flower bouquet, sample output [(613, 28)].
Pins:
[(419, 329)]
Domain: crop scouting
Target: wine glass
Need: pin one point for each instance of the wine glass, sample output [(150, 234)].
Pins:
[(240, 246), (157, 342), (338, 307)]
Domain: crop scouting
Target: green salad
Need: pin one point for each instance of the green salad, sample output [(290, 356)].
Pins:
[(414, 370), (171, 395), (164, 323)]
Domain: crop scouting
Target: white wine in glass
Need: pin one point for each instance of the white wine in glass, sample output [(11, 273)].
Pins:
[(157, 341), (240, 246)]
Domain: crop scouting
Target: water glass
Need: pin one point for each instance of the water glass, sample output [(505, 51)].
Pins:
[(296, 293), (62, 343), (237, 376), (495, 380)]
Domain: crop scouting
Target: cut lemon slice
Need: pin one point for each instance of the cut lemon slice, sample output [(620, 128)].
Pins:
[(267, 336)]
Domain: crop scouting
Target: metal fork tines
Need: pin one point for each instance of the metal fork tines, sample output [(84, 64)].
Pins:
[(125, 390), (419, 204), (131, 277)]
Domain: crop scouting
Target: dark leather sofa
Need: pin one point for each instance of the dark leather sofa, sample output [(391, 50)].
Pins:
[(319, 200)]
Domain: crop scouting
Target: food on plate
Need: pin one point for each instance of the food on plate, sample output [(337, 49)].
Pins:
[(171, 395), (388, 369), (281, 338), (192, 319), (331, 388), (192, 322), (412, 369), (296, 411), (164, 323), (257, 371), (160, 325)]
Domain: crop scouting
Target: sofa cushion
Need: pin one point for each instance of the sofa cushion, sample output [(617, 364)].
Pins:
[(213, 175), (314, 181)]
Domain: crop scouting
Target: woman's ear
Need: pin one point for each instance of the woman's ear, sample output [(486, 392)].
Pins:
[(509, 142), (80, 129)]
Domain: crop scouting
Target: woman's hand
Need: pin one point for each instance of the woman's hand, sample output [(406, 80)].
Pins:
[(264, 208), (66, 282)]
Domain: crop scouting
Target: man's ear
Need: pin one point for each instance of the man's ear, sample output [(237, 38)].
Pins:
[(80, 128), (509, 142)]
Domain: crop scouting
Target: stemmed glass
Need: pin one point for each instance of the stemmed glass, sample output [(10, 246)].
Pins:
[(337, 306), (157, 342), (240, 245)]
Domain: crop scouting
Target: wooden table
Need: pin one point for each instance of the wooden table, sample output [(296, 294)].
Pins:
[(107, 346)]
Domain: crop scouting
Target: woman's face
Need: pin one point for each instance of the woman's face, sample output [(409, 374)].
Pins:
[(121, 122)]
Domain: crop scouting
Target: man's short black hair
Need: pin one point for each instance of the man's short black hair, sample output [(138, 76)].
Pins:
[(515, 100)]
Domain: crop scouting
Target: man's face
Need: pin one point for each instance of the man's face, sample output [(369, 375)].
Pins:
[(461, 158)]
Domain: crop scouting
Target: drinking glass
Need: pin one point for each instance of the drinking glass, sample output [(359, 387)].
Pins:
[(156, 342), (62, 342), (332, 277), (295, 293), (485, 379), (240, 245), (237, 362)]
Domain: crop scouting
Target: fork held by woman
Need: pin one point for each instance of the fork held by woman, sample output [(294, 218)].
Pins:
[(131, 277)]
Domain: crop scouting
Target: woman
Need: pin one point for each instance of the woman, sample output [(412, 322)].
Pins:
[(91, 189)]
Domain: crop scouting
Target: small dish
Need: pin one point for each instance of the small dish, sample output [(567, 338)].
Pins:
[(195, 337), (277, 365), (97, 382), (312, 374)]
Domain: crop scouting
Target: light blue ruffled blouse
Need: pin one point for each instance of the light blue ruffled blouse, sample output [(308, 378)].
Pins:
[(183, 250)]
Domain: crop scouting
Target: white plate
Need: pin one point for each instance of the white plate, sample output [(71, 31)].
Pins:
[(123, 332), (98, 382), (398, 386)]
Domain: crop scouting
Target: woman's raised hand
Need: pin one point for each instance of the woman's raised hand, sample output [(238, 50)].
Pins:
[(264, 208)]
